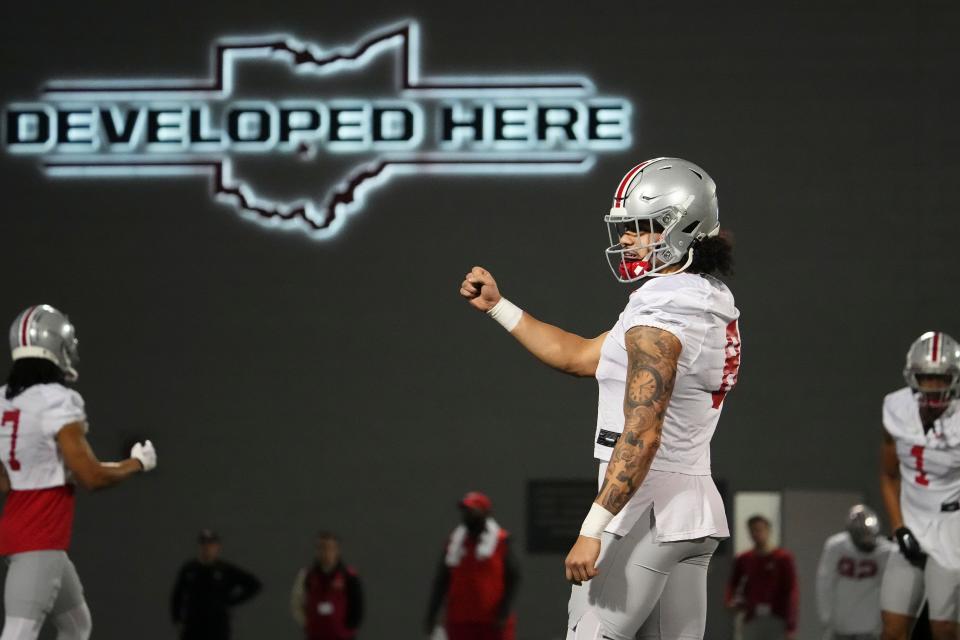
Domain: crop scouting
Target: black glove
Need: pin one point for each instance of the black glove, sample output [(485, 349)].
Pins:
[(910, 548)]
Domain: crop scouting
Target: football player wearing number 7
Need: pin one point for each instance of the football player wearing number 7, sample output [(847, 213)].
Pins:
[(640, 562), (44, 449), (920, 484)]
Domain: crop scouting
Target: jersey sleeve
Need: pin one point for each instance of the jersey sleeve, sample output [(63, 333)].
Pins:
[(662, 306), (62, 407), (897, 406)]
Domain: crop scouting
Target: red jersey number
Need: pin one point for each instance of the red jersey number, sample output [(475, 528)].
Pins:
[(13, 419), (922, 478), (731, 364), (857, 570)]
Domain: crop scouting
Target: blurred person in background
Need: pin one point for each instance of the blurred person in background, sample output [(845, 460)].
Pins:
[(763, 587), (206, 589), (327, 597), (478, 577), (849, 575), (43, 440), (920, 484)]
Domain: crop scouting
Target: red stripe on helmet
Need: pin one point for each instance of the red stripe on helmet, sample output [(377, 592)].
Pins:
[(24, 326), (627, 178), (935, 347)]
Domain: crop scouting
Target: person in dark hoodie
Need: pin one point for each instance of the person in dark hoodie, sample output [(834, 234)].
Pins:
[(206, 589), (327, 597)]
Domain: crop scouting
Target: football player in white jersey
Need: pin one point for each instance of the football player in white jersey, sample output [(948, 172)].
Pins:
[(44, 449), (920, 483), (663, 372), (848, 577)]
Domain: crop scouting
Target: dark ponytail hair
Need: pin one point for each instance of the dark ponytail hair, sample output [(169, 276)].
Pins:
[(27, 372), (713, 255)]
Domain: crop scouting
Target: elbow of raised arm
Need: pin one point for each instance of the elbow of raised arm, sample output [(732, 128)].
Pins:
[(565, 361), (582, 359), (580, 370), (87, 484), (91, 479)]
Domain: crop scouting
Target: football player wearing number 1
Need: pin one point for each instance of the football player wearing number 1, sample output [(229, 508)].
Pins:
[(920, 484), (663, 372), (44, 449)]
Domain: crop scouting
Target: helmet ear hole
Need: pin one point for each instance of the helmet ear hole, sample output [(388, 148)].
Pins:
[(690, 228)]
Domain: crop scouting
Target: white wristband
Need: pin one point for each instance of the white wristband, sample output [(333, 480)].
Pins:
[(596, 522), (506, 313)]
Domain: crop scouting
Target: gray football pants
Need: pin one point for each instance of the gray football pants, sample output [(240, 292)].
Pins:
[(41, 584), (646, 589)]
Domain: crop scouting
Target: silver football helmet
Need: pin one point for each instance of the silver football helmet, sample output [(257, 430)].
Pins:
[(863, 525), (934, 354), (672, 200), (43, 332)]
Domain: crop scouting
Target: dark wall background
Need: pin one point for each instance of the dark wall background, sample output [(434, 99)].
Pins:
[(291, 385)]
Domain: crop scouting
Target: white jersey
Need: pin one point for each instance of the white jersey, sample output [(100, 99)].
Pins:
[(699, 310), (848, 585), (929, 463), (29, 424)]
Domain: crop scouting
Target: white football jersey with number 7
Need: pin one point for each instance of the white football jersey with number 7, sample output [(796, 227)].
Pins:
[(29, 424)]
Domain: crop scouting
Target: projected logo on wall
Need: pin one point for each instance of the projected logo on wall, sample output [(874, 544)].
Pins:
[(504, 125)]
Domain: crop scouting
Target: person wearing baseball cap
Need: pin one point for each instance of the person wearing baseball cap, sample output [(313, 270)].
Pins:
[(477, 577), (206, 589)]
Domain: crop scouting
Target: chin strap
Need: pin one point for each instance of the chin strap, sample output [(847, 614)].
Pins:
[(660, 274)]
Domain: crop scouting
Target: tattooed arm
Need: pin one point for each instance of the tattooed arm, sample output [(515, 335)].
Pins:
[(652, 356)]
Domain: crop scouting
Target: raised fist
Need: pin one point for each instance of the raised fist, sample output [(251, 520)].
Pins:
[(480, 289), (146, 454)]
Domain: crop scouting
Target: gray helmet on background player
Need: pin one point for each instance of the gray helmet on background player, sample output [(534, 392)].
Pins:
[(43, 332), (934, 354), (863, 525), (668, 196)]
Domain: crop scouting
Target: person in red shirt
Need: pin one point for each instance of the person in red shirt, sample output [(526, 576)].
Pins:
[(478, 577), (327, 598), (763, 586)]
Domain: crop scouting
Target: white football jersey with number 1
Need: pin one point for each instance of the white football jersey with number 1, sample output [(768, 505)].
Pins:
[(700, 312), (29, 424), (929, 464)]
